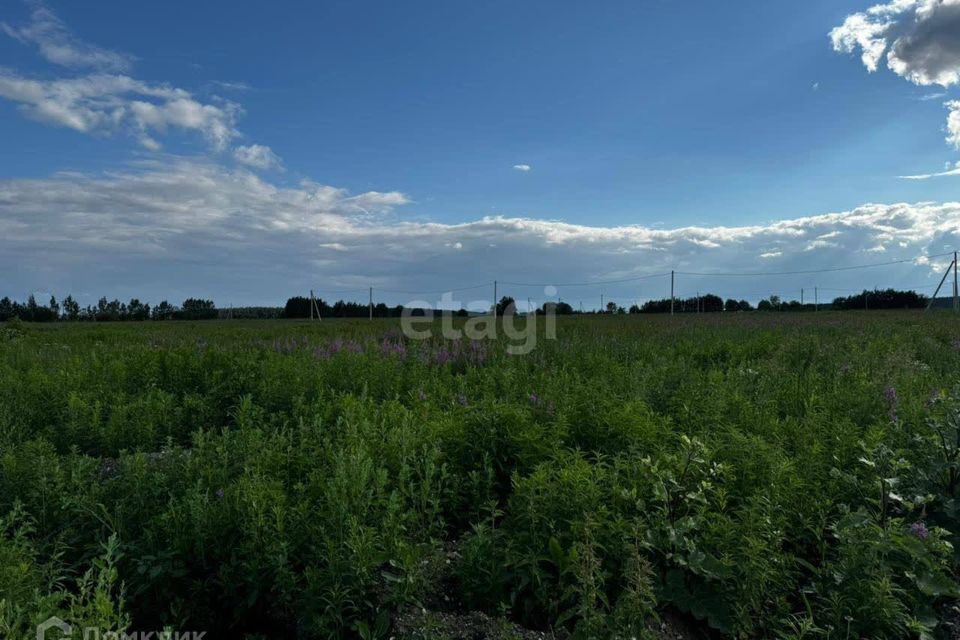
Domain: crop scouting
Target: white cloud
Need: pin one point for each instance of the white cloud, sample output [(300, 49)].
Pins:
[(105, 103), (705, 243), (233, 86), (110, 103), (953, 123), (231, 234), (522, 167), (955, 171), (921, 39), (819, 244), (257, 156), (58, 45)]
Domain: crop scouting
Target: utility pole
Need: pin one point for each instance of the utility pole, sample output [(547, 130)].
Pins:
[(371, 303), (672, 299), (529, 305), (933, 298), (816, 298), (801, 297), (956, 300), (601, 302), (494, 300), (311, 304)]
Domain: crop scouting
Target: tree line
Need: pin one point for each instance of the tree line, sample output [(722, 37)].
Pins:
[(299, 307), (712, 303), (191, 309), (105, 310)]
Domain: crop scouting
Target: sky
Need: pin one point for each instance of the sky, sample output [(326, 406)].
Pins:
[(247, 152)]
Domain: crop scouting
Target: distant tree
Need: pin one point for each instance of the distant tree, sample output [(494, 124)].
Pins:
[(54, 308), (137, 310), (198, 309), (611, 307), (297, 307), (556, 308), (506, 305), (711, 303), (745, 306), (731, 305), (71, 310), (634, 309), (164, 311), (882, 299), (6, 309), (764, 305)]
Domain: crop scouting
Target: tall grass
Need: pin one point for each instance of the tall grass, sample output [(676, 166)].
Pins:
[(767, 476)]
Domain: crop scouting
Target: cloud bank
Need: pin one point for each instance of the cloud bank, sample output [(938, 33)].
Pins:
[(149, 228)]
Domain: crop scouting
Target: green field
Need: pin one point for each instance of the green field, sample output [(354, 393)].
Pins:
[(745, 475)]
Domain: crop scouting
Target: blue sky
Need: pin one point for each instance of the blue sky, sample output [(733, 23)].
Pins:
[(656, 115)]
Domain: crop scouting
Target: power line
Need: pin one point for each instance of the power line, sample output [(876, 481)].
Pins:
[(413, 293), (341, 290), (650, 276)]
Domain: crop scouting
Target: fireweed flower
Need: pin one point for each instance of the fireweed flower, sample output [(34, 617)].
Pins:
[(919, 529)]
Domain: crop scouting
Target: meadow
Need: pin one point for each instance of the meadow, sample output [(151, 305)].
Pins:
[(761, 475)]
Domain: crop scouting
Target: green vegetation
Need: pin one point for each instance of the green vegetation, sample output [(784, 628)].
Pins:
[(766, 475)]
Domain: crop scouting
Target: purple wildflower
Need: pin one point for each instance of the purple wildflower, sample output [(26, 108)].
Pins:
[(534, 399), (388, 347), (219, 494), (919, 529)]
